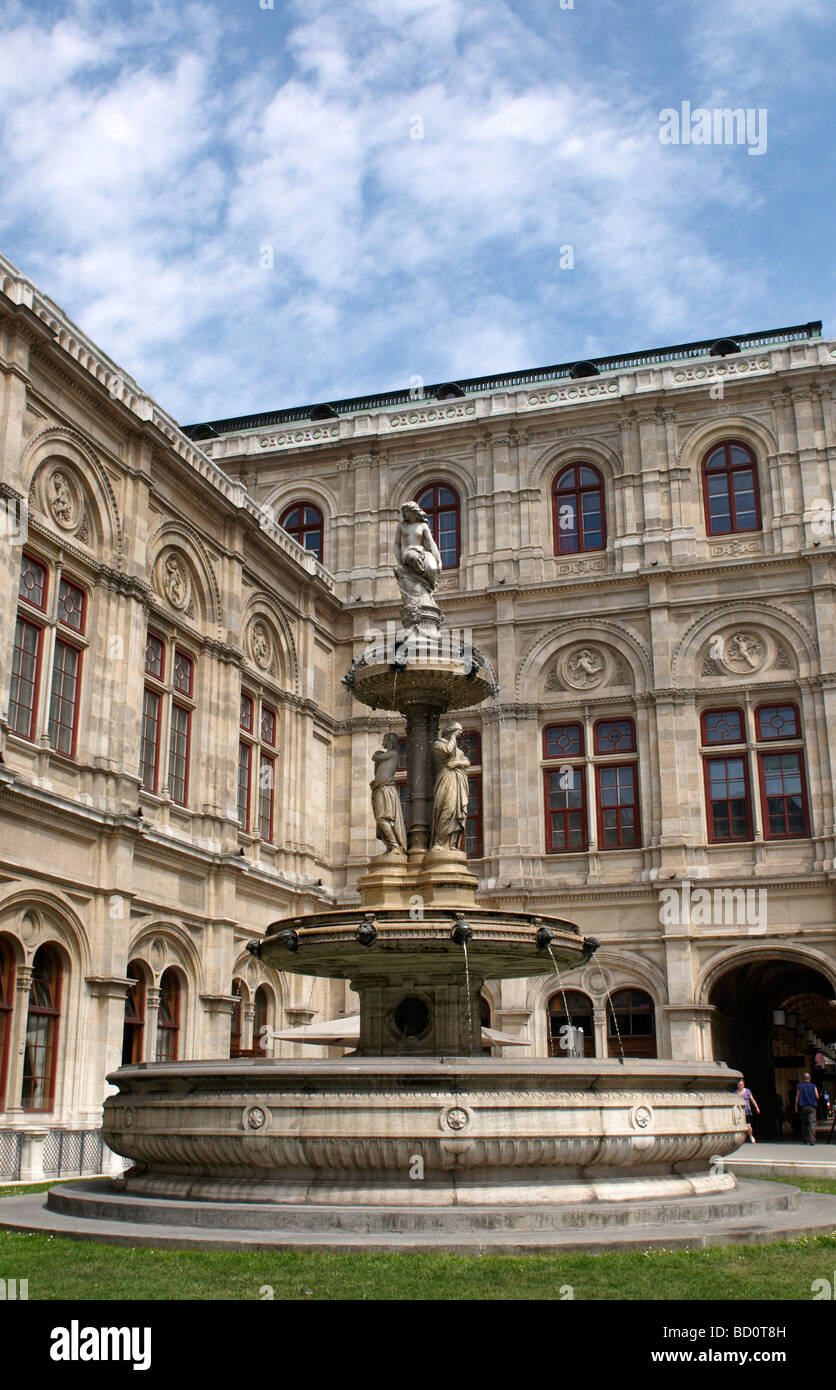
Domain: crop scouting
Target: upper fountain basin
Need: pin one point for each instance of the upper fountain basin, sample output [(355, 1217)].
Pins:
[(444, 684)]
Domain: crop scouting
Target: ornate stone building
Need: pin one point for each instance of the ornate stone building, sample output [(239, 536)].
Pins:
[(643, 548)]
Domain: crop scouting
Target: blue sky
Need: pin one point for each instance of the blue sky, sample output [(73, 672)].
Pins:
[(151, 152)]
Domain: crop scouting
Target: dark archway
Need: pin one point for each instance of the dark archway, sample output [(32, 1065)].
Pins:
[(769, 1014)]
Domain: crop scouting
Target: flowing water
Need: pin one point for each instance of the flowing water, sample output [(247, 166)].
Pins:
[(573, 1051), (617, 1029)]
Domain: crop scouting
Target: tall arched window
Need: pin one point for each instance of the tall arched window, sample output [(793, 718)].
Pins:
[(578, 510), (42, 1030), (134, 1025), (631, 1018), (579, 1015), (168, 1019), (235, 1022), (260, 1020), (303, 521), (730, 489), (441, 503), (7, 984)]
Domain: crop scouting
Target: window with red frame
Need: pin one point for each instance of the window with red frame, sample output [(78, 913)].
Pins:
[(777, 721), (723, 726), (727, 798), (614, 736), (260, 1021), (580, 1015), (235, 1024), (28, 642), (7, 985), (618, 805), (245, 761), (443, 509), (731, 490), (134, 1024), (168, 1018), (578, 510), (783, 795), (66, 669), (631, 1024), (304, 522), (565, 789), (470, 743), (40, 1046)]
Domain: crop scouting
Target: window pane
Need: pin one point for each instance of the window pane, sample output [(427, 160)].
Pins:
[(563, 740), (246, 713), (178, 754), (71, 605), (615, 736), (154, 657), (244, 761), (268, 724), (64, 697), (723, 726), (777, 721), (33, 582), (23, 691), (150, 740), (266, 779), (182, 675)]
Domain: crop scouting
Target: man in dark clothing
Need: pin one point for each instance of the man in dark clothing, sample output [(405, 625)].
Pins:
[(806, 1101)]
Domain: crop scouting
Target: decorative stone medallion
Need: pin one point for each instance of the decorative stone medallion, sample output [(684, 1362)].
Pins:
[(256, 1117), (744, 651), (260, 645), (583, 667), (63, 500), (641, 1117), (455, 1118), (175, 582), (128, 1117)]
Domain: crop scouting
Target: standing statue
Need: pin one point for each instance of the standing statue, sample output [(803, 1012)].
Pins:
[(451, 791), (418, 556), (386, 801)]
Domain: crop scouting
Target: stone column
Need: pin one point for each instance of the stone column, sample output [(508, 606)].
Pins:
[(17, 1041), (152, 1013), (421, 732), (217, 1017), (32, 1155)]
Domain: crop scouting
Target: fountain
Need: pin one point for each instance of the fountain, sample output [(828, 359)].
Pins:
[(417, 1131)]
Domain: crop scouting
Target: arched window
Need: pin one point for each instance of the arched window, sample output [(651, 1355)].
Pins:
[(578, 510), (633, 1012), (303, 521), (7, 984), (260, 1020), (579, 1015), (441, 503), (168, 1019), (730, 489), (134, 1025), (42, 1030), (235, 1022)]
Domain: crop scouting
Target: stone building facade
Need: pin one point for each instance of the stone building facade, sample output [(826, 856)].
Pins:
[(643, 549)]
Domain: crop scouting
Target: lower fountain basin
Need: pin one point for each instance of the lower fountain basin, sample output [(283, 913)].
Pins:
[(424, 1132)]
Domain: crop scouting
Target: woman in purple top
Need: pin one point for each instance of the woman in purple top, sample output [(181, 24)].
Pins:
[(749, 1103)]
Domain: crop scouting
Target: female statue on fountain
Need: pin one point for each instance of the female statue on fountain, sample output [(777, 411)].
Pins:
[(451, 791), (418, 556)]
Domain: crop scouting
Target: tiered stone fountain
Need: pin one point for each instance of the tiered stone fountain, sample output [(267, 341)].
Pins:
[(417, 1132)]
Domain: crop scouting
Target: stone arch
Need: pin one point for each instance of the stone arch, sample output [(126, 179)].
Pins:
[(59, 449), (747, 430), (797, 954), (180, 539), (161, 944), (427, 471), (800, 642), (290, 490), (53, 920), (546, 466), (548, 646), (284, 667)]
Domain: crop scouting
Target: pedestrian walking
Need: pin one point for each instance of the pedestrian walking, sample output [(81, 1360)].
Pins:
[(750, 1104), (806, 1103)]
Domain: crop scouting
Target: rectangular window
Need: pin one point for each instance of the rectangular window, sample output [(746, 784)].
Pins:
[(727, 799), (783, 796), (71, 605), (63, 705), (266, 780), (777, 721), (473, 822), (183, 672), (565, 810), (618, 806), (23, 697), (178, 754), (155, 657), (563, 741), (33, 582), (615, 736), (722, 726), (245, 756), (149, 752)]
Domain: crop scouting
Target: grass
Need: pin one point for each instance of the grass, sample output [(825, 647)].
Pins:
[(58, 1268)]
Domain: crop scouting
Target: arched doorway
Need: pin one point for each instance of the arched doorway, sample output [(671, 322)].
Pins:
[(773, 1020)]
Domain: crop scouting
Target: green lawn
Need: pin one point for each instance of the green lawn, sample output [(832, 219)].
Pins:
[(58, 1268)]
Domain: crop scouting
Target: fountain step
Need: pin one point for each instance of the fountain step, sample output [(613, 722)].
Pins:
[(754, 1213)]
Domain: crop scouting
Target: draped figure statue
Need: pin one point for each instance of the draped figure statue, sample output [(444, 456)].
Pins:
[(451, 791), (386, 801), (418, 557)]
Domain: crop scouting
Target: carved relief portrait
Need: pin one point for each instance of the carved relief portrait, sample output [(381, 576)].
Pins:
[(63, 500), (584, 668), (261, 646)]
